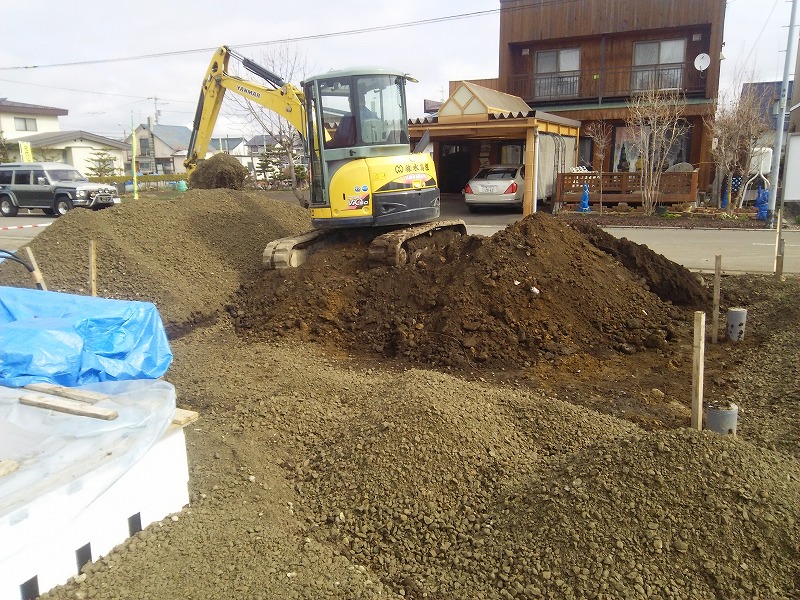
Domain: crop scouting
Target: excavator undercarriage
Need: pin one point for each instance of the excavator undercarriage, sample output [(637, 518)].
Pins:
[(390, 247)]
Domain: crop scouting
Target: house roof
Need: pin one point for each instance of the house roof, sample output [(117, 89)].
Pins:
[(39, 140), (20, 108), (471, 100), (228, 143), (175, 136), (262, 140)]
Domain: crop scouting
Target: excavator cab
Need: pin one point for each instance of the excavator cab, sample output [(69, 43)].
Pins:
[(362, 170)]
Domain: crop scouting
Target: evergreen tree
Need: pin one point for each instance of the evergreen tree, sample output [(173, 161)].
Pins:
[(102, 164)]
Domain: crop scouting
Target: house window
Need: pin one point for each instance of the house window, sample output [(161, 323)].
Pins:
[(23, 124), (144, 146), (557, 73), (658, 65)]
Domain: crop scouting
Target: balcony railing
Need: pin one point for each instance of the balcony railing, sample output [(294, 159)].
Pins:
[(607, 83)]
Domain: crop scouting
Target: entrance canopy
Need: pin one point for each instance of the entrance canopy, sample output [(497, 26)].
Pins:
[(474, 112)]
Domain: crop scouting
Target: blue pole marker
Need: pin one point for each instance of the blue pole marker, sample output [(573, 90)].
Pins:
[(584, 205), (762, 204)]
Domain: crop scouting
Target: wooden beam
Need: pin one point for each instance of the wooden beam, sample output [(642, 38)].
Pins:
[(67, 392), (8, 466), (37, 274), (65, 405)]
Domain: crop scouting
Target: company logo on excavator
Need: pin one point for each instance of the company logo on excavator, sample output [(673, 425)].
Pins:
[(247, 91)]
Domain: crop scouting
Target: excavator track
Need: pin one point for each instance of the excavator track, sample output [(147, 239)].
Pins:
[(386, 250), (289, 252), (390, 249)]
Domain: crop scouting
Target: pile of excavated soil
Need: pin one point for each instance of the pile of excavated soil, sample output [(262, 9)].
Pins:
[(535, 291), (334, 458)]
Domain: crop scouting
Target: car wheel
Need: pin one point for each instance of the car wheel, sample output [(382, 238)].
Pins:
[(62, 206), (7, 207), (48, 211)]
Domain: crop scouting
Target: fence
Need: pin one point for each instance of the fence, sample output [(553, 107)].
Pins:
[(674, 188)]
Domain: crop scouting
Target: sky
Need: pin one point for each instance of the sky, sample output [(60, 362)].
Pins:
[(434, 42)]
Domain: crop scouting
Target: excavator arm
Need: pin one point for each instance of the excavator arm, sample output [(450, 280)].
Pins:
[(283, 99)]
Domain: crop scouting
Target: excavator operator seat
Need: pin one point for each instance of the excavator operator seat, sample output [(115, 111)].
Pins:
[(372, 131), (345, 134)]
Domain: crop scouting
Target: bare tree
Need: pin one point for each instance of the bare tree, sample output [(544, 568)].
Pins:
[(738, 127), (600, 132), (656, 118), (290, 65)]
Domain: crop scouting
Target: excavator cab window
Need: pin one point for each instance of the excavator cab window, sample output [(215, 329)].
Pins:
[(364, 110)]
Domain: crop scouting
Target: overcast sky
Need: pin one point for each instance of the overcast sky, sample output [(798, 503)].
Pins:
[(106, 96)]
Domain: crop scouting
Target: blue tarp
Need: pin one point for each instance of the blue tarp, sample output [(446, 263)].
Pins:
[(73, 340)]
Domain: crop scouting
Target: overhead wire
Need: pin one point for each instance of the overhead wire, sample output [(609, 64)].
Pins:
[(319, 36)]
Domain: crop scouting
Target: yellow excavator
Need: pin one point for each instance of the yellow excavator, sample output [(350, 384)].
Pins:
[(363, 173)]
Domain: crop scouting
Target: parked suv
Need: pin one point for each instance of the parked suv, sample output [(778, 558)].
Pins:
[(53, 187)]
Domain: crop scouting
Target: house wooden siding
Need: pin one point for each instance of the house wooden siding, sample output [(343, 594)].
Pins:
[(523, 20), (606, 65), (605, 32)]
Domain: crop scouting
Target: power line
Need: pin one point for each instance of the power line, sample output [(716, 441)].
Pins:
[(319, 36)]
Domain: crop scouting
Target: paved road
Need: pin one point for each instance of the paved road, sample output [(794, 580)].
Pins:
[(750, 251), (17, 231), (743, 251)]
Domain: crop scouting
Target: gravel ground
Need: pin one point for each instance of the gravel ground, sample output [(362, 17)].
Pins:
[(330, 463)]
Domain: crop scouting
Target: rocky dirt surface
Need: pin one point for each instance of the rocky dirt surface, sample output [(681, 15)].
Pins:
[(506, 417)]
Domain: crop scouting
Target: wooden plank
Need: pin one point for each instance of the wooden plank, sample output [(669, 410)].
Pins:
[(66, 392), (66, 405), (184, 417), (37, 274), (8, 466)]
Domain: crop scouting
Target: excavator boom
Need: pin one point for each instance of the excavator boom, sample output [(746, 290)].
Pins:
[(284, 99)]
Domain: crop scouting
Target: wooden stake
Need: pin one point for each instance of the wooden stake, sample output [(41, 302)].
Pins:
[(92, 268), (715, 314), (37, 274), (779, 259), (697, 369)]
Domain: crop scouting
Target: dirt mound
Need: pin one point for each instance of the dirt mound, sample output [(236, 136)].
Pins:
[(535, 291), (668, 280), (187, 255)]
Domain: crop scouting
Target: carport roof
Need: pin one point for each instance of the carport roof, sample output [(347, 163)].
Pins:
[(473, 111)]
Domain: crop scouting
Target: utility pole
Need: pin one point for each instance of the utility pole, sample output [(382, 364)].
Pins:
[(133, 159), (156, 112), (791, 46)]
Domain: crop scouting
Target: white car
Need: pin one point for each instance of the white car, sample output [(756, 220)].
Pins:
[(496, 185)]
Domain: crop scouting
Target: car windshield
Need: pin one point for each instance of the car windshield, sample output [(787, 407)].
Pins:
[(496, 173), (65, 175)]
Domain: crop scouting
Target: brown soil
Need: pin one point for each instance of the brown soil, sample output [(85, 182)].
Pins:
[(506, 417)]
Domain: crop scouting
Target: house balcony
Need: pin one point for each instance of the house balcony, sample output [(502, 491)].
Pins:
[(607, 84)]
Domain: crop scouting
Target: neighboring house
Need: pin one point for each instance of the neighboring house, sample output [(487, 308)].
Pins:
[(794, 101), (77, 148), (259, 144), (160, 149), (769, 94), (19, 120), (585, 59), (39, 126)]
